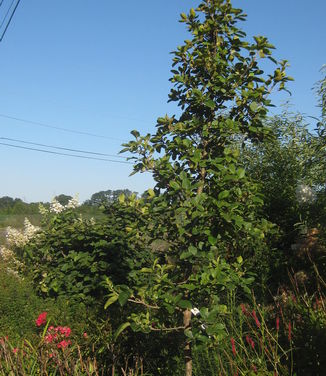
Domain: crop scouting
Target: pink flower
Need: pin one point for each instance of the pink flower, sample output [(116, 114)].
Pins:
[(233, 346), (85, 335), (15, 350), (66, 331), (243, 308), (250, 342), (41, 320), (256, 319), (49, 338), (63, 344)]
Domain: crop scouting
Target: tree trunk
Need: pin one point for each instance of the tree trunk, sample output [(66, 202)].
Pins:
[(187, 348)]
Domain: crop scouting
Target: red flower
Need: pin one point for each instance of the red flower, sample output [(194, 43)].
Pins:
[(63, 344), (64, 330), (233, 347), (277, 323), (85, 335), (49, 338), (243, 309), (15, 350), (41, 319), (256, 319), (250, 342)]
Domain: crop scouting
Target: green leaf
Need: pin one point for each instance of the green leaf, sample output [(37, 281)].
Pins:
[(146, 270), (184, 304), (111, 300), (212, 240), (185, 255), (188, 333), (241, 173), (135, 133), (254, 106), (192, 250), (123, 297), (151, 192), (121, 328), (210, 103), (174, 185), (223, 194)]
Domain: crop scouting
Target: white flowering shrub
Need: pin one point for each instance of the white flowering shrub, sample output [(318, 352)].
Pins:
[(305, 194), (18, 238), (57, 208)]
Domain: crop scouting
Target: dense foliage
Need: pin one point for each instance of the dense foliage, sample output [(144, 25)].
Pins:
[(217, 270)]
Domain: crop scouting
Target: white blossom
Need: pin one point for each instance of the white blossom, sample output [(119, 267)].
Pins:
[(56, 207), (305, 194), (43, 210), (18, 238), (73, 203)]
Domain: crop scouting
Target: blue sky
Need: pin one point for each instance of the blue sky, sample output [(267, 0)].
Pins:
[(102, 67)]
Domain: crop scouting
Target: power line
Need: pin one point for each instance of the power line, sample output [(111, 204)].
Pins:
[(65, 154), (60, 128), (12, 15), (61, 148), (6, 15)]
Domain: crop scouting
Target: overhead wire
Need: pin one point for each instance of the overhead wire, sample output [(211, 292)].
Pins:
[(65, 154), (6, 15), (60, 128), (62, 148), (11, 16)]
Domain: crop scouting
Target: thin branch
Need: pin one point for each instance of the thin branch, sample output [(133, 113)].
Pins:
[(137, 301)]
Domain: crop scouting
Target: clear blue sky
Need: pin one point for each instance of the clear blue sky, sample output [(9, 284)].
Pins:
[(103, 67)]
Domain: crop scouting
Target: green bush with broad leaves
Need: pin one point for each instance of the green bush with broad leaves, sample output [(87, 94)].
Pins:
[(202, 216)]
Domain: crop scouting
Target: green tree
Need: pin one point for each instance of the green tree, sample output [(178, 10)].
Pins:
[(63, 199), (200, 220), (107, 197)]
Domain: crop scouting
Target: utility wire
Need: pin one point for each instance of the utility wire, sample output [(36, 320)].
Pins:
[(6, 15), (65, 154), (8, 23), (61, 148), (60, 128)]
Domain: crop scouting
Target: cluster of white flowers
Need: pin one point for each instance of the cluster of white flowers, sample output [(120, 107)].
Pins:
[(56, 207), (8, 257), (92, 221), (73, 203), (305, 194), (6, 254), (19, 238)]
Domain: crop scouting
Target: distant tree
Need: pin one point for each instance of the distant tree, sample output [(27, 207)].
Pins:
[(8, 202), (107, 197), (63, 199)]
